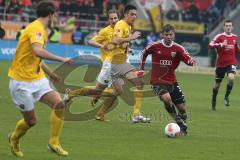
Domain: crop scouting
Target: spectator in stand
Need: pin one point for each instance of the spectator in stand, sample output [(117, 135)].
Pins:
[(26, 3), (70, 22), (168, 5), (220, 4), (172, 15), (193, 12), (105, 7), (64, 7), (74, 7), (55, 35), (92, 9), (77, 36), (152, 37), (213, 11)]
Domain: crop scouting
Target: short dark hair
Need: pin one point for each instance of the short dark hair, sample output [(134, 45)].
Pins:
[(45, 8), (227, 21), (112, 11), (168, 28), (2, 32), (128, 8)]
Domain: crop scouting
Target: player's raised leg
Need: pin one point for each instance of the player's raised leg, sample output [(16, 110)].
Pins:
[(230, 77), (219, 75), (21, 128), (138, 82), (169, 106), (95, 98), (25, 104), (54, 100)]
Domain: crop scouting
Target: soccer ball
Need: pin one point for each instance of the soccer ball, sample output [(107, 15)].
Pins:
[(172, 130)]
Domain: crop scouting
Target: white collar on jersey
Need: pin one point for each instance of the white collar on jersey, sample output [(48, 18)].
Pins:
[(227, 34), (167, 45)]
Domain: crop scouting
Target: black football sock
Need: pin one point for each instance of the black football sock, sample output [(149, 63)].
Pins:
[(172, 111), (183, 116), (229, 89), (214, 94)]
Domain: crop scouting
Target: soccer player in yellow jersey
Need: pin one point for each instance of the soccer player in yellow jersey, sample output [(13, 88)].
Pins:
[(103, 40), (28, 83), (118, 59)]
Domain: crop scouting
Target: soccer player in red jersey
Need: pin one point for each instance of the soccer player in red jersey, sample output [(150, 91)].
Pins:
[(166, 56), (226, 47)]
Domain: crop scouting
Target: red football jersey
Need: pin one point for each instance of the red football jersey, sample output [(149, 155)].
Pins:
[(165, 59), (226, 54)]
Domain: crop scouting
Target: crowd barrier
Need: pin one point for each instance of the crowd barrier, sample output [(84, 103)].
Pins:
[(8, 48)]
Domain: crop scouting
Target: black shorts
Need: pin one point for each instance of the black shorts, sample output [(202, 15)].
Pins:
[(221, 71), (174, 90)]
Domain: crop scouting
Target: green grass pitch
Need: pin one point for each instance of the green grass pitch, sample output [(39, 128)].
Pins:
[(212, 135)]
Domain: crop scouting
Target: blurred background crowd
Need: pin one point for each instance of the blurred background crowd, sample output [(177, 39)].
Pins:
[(83, 18)]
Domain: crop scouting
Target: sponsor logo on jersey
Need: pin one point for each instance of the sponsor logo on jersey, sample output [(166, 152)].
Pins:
[(38, 35), (230, 46), (173, 54), (165, 62)]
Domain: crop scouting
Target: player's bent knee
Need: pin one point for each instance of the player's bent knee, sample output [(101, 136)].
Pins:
[(166, 99), (217, 86), (60, 105), (230, 82), (31, 122), (181, 107), (139, 84), (118, 92), (230, 76)]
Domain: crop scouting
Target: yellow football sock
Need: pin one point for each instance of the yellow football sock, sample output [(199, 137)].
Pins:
[(138, 102), (20, 130), (108, 101), (83, 92), (57, 122)]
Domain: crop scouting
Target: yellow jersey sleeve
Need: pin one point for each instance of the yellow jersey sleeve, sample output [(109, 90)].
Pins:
[(121, 30), (103, 37), (37, 36), (100, 37), (26, 66)]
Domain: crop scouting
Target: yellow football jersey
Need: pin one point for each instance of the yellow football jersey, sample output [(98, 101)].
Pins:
[(26, 66), (104, 36), (119, 52)]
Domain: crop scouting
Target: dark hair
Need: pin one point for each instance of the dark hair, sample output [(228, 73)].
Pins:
[(112, 11), (168, 28), (128, 8), (227, 21), (45, 8), (2, 32)]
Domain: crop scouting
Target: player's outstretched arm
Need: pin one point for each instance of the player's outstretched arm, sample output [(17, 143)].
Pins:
[(217, 43), (186, 58), (46, 69), (118, 40), (95, 43), (52, 76), (192, 62), (144, 54), (39, 51)]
